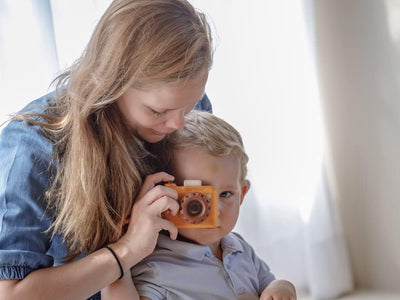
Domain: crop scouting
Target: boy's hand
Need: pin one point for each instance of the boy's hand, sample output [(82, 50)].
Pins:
[(279, 290)]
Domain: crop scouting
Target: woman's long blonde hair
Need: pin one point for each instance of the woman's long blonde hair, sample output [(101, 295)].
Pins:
[(101, 162)]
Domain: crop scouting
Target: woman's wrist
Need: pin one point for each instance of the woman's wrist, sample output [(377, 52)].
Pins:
[(116, 259), (125, 254)]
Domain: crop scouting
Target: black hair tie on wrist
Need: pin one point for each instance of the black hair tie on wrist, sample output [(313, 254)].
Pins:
[(116, 258)]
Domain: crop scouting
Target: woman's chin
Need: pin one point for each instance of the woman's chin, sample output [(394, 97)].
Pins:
[(153, 137)]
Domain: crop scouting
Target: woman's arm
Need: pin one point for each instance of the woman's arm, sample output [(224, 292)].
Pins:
[(83, 278), (121, 290), (77, 280)]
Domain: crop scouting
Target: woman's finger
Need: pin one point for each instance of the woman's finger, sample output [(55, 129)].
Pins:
[(170, 227), (145, 209), (164, 204), (152, 180), (156, 193)]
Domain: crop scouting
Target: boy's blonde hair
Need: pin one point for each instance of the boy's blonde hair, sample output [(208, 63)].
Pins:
[(212, 135)]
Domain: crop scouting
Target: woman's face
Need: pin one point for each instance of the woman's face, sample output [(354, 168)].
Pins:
[(156, 110)]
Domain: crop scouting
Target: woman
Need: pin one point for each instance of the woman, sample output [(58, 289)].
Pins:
[(72, 162)]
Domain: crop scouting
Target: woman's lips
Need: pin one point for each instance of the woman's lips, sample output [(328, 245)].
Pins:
[(161, 133)]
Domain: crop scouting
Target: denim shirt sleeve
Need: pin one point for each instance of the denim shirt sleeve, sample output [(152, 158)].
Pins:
[(24, 177), (204, 104)]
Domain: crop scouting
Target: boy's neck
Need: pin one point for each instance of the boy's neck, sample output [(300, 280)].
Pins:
[(216, 250)]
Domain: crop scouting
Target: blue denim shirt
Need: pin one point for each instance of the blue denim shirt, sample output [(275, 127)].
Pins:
[(26, 169)]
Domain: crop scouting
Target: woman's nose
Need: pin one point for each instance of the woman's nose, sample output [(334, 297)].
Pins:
[(176, 120)]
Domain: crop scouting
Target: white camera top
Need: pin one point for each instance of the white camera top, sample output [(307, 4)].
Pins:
[(191, 182)]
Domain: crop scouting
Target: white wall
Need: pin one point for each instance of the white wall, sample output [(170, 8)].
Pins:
[(359, 66), (37, 42), (28, 57)]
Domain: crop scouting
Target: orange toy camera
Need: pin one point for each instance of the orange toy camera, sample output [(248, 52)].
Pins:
[(198, 205)]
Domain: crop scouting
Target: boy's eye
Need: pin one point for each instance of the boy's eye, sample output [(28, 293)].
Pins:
[(225, 194)]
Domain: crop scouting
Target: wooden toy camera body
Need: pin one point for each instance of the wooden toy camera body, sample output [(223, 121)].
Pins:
[(198, 205)]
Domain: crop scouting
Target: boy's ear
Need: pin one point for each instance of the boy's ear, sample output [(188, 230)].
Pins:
[(245, 189)]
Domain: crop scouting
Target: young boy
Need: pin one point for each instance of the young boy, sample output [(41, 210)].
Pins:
[(206, 263)]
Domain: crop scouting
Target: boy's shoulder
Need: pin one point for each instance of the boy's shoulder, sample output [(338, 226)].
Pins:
[(235, 241)]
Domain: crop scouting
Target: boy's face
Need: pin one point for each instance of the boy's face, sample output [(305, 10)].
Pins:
[(221, 172)]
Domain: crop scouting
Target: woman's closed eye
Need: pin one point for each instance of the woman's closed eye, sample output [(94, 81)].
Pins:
[(156, 113)]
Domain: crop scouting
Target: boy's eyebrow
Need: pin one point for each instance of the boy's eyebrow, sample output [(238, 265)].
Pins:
[(228, 187)]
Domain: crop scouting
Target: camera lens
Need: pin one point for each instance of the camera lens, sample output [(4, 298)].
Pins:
[(194, 208)]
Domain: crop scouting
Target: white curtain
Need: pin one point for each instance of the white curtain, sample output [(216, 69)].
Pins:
[(39, 38), (28, 57), (263, 82)]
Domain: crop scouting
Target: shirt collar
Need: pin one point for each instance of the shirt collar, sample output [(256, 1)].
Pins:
[(229, 245)]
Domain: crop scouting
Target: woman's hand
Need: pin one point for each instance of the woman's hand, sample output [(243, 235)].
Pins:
[(279, 290), (146, 221)]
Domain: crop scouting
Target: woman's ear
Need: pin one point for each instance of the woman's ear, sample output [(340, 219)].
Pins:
[(245, 189)]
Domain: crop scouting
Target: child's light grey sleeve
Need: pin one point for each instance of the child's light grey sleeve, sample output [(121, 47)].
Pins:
[(264, 274), (145, 278), (261, 269)]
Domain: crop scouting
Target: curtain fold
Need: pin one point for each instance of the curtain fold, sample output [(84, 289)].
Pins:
[(327, 260)]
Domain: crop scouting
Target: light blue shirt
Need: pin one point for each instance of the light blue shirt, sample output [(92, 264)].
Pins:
[(186, 271), (26, 169)]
